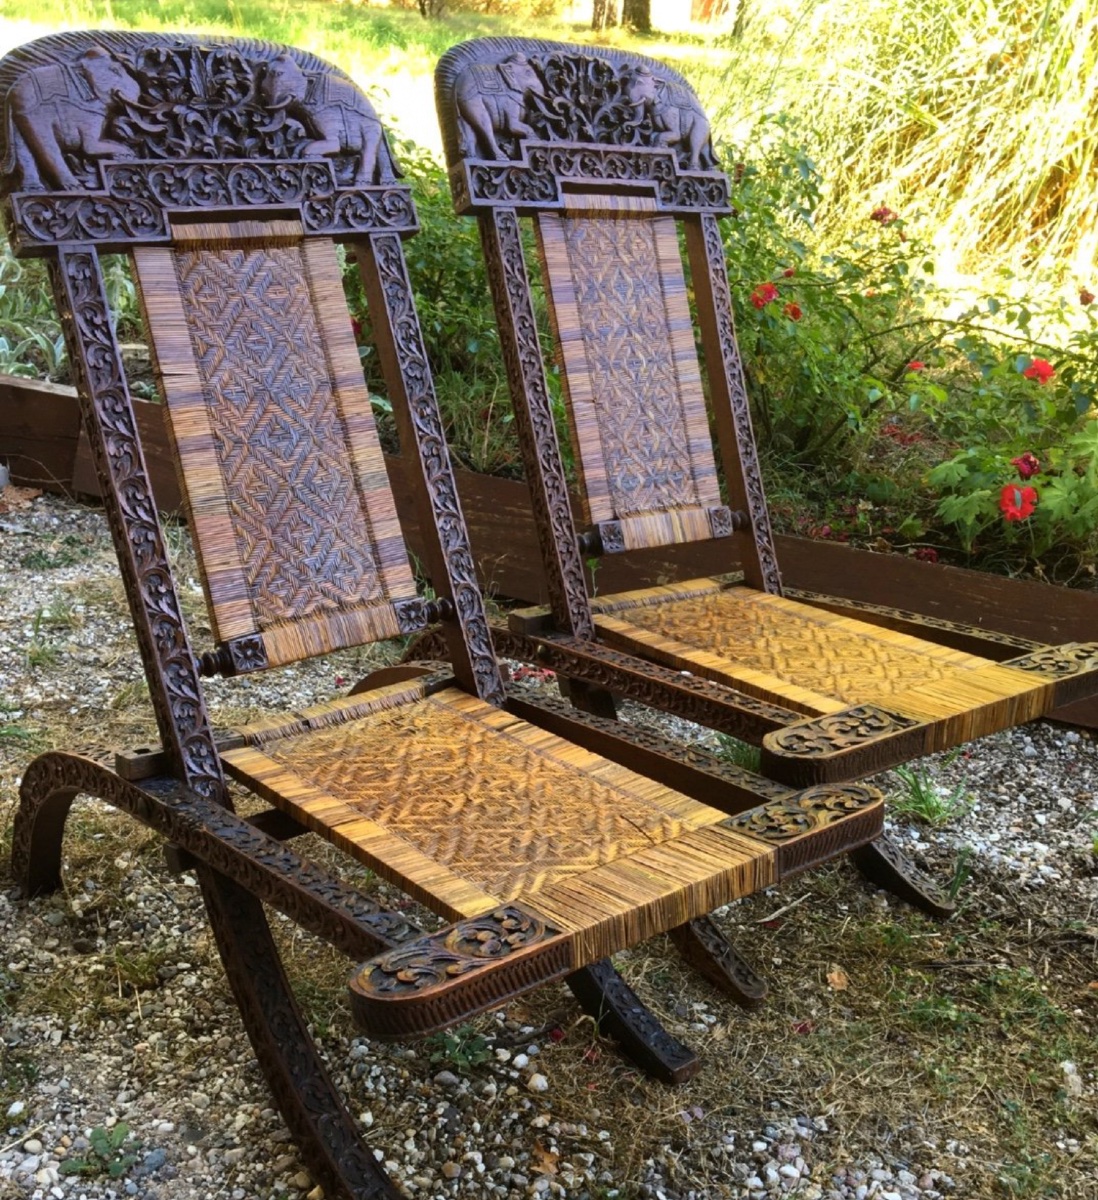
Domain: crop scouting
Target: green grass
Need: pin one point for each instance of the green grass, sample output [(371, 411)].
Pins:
[(925, 800)]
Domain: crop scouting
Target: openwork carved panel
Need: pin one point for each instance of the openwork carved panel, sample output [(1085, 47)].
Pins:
[(104, 130), (520, 115)]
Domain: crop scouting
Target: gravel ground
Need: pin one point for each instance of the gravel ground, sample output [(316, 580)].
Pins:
[(115, 1018)]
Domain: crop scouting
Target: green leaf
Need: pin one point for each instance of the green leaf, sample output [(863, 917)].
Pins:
[(967, 510), (992, 305), (950, 473), (1059, 498)]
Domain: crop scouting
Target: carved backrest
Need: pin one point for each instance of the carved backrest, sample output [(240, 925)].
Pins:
[(608, 153), (227, 169)]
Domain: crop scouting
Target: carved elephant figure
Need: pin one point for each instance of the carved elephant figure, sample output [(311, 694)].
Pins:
[(58, 111), (491, 99), (335, 110), (682, 123)]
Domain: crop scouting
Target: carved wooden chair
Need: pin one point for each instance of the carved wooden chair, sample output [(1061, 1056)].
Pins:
[(227, 170), (608, 155)]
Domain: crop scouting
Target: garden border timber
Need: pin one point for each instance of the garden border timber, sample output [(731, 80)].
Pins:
[(43, 445)]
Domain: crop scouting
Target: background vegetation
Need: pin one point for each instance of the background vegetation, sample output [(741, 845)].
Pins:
[(916, 192)]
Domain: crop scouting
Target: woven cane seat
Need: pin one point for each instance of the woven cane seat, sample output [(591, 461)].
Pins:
[(779, 649), (467, 807), (857, 682)]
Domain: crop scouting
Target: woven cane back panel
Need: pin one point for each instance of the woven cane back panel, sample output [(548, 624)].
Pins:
[(782, 650), (466, 806), (296, 528), (636, 407)]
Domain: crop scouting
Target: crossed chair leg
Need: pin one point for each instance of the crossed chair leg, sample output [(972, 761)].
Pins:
[(240, 867)]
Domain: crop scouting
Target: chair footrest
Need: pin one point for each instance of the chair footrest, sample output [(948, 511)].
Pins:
[(449, 976)]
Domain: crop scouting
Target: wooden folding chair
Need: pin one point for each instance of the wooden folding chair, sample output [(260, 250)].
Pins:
[(227, 169), (608, 154)]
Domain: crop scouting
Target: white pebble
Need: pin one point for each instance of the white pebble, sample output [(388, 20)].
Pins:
[(537, 1083)]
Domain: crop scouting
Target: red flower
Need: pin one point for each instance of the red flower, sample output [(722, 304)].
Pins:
[(793, 311), (926, 554), (763, 295), (356, 327), (916, 365), (883, 215), (789, 272), (1085, 297), (1027, 464), (1017, 503), (1040, 369)]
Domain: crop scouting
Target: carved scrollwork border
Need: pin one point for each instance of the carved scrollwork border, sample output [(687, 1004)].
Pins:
[(456, 564), (314, 898), (461, 970), (109, 420), (533, 410), (725, 371)]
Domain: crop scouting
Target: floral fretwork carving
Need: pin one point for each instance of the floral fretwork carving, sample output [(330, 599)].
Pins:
[(801, 813), (77, 101), (507, 103), (839, 731), (446, 976), (1059, 662), (579, 98)]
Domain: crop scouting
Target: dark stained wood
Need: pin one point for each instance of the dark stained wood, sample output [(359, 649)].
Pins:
[(39, 433), (545, 856)]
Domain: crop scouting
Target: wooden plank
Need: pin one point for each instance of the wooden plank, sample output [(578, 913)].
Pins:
[(40, 440), (39, 429)]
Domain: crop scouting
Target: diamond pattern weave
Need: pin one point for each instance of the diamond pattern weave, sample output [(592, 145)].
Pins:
[(630, 356), (490, 803), (302, 537)]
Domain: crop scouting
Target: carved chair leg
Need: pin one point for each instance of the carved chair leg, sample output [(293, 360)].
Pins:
[(311, 1106), (37, 833), (620, 1013), (884, 863), (708, 951)]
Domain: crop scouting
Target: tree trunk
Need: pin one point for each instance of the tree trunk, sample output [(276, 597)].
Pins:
[(637, 14), (605, 14)]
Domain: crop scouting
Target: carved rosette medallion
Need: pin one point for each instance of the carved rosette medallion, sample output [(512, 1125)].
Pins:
[(103, 131), (460, 970), (836, 732)]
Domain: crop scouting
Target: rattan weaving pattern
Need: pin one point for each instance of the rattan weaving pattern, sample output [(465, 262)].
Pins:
[(636, 386), (302, 536), (833, 656), (504, 805)]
